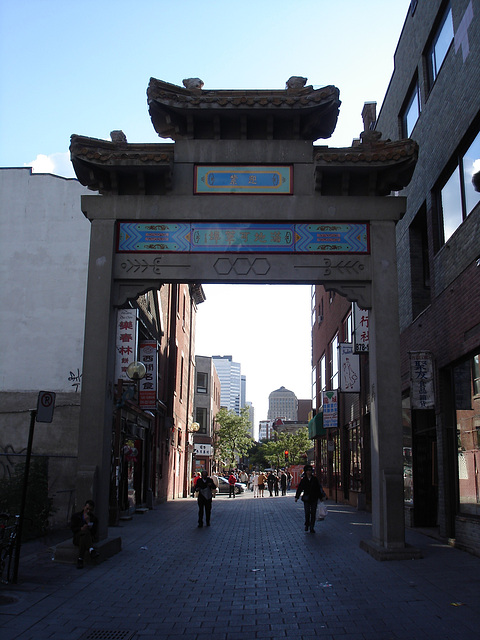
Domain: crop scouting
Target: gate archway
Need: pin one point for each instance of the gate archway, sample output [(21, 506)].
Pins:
[(244, 196)]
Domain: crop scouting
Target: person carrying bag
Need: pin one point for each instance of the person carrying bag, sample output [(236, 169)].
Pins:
[(205, 490)]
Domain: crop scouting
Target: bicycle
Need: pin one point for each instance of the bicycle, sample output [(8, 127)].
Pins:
[(8, 542)]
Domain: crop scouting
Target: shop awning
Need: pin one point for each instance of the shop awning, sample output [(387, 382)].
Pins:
[(315, 426)]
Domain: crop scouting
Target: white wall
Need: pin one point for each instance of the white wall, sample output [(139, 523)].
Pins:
[(44, 242)]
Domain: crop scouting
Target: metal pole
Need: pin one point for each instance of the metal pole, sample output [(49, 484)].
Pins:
[(33, 415)]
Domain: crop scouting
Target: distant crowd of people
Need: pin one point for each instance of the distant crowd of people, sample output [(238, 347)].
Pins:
[(204, 488)]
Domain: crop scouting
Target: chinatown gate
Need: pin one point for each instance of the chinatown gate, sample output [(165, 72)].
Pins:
[(244, 196)]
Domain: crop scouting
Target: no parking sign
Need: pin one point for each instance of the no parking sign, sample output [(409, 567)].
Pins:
[(45, 406)]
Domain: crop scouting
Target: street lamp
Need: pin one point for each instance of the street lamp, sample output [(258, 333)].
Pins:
[(136, 370), (194, 427)]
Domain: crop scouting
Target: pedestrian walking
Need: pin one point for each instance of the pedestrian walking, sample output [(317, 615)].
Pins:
[(231, 485), (270, 482), (312, 492), (261, 483), (255, 485), (283, 483), (276, 482), (205, 490)]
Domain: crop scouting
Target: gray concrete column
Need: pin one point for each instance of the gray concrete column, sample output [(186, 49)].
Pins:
[(388, 532), (95, 436)]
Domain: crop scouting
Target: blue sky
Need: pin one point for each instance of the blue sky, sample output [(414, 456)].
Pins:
[(83, 67)]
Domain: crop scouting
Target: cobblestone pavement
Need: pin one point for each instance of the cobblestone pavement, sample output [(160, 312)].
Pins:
[(253, 574)]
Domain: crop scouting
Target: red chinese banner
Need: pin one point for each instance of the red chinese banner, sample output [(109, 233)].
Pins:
[(148, 384)]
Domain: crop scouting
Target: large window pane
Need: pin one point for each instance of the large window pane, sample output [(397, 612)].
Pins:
[(471, 165), (412, 112), (451, 205), (441, 44)]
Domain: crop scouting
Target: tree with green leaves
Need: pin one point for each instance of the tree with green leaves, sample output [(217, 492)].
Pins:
[(234, 439), (297, 444)]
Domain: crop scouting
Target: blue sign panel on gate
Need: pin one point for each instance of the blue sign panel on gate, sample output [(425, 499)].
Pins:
[(234, 237)]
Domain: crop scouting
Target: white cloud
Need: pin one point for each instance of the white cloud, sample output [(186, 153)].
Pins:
[(57, 163)]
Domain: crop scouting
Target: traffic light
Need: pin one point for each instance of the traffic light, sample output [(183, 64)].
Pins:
[(286, 456)]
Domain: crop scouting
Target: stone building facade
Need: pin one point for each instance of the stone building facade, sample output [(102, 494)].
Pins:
[(206, 406)]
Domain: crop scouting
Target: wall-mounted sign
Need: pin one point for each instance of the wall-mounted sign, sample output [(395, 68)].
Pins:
[(126, 342), (203, 449), (231, 237), (349, 369), (360, 329), (148, 384), (330, 409), (240, 179), (422, 393)]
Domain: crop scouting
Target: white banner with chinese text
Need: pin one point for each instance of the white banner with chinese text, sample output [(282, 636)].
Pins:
[(422, 392)]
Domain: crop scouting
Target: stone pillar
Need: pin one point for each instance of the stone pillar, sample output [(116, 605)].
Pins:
[(95, 430), (388, 522)]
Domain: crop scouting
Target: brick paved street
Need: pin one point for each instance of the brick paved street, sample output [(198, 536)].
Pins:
[(253, 574)]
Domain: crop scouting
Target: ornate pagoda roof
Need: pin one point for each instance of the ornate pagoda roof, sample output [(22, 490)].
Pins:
[(120, 167), (295, 113), (373, 167)]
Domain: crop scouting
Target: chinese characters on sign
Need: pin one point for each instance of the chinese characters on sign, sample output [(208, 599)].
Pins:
[(203, 449), (126, 342), (330, 409), (243, 237), (360, 329), (422, 394), (148, 384), (349, 369), (243, 179)]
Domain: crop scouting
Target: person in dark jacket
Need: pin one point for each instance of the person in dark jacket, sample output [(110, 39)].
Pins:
[(312, 491), (84, 526), (205, 489)]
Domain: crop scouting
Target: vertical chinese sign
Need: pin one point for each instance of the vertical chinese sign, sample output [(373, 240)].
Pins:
[(330, 409), (126, 342), (422, 393), (148, 384), (360, 329)]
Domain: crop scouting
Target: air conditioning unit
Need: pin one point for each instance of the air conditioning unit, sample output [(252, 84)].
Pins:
[(320, 319)]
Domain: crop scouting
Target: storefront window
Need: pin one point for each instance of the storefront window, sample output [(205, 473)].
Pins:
[(467, 399)]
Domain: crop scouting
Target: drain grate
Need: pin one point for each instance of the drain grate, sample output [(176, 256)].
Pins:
[(108, 634)]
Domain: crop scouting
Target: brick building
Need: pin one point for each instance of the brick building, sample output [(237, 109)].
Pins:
[(433, 98)]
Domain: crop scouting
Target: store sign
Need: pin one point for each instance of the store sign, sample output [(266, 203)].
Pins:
[(330, 409), (203, 449), (422, 393), (148, 384), (360, 329), (349, 369), (126, 342)]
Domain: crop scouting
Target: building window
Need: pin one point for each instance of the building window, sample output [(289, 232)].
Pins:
[(202, 382), (476, 376), (348, 328), (333, 357), (322, 376), (441, 42), (419, 263), (411, 111), (467, 404), (201, 418), (182, 365), (457, 197)]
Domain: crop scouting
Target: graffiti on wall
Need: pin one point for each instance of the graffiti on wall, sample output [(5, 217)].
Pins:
[(75, 379)]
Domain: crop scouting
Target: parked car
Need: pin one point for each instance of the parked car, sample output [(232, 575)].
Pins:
[(223, 486)]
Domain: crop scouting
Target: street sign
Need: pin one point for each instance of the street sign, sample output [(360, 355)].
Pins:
[(45, 406)]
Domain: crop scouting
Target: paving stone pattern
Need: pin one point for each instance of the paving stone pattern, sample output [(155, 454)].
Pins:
[(254, 573)]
